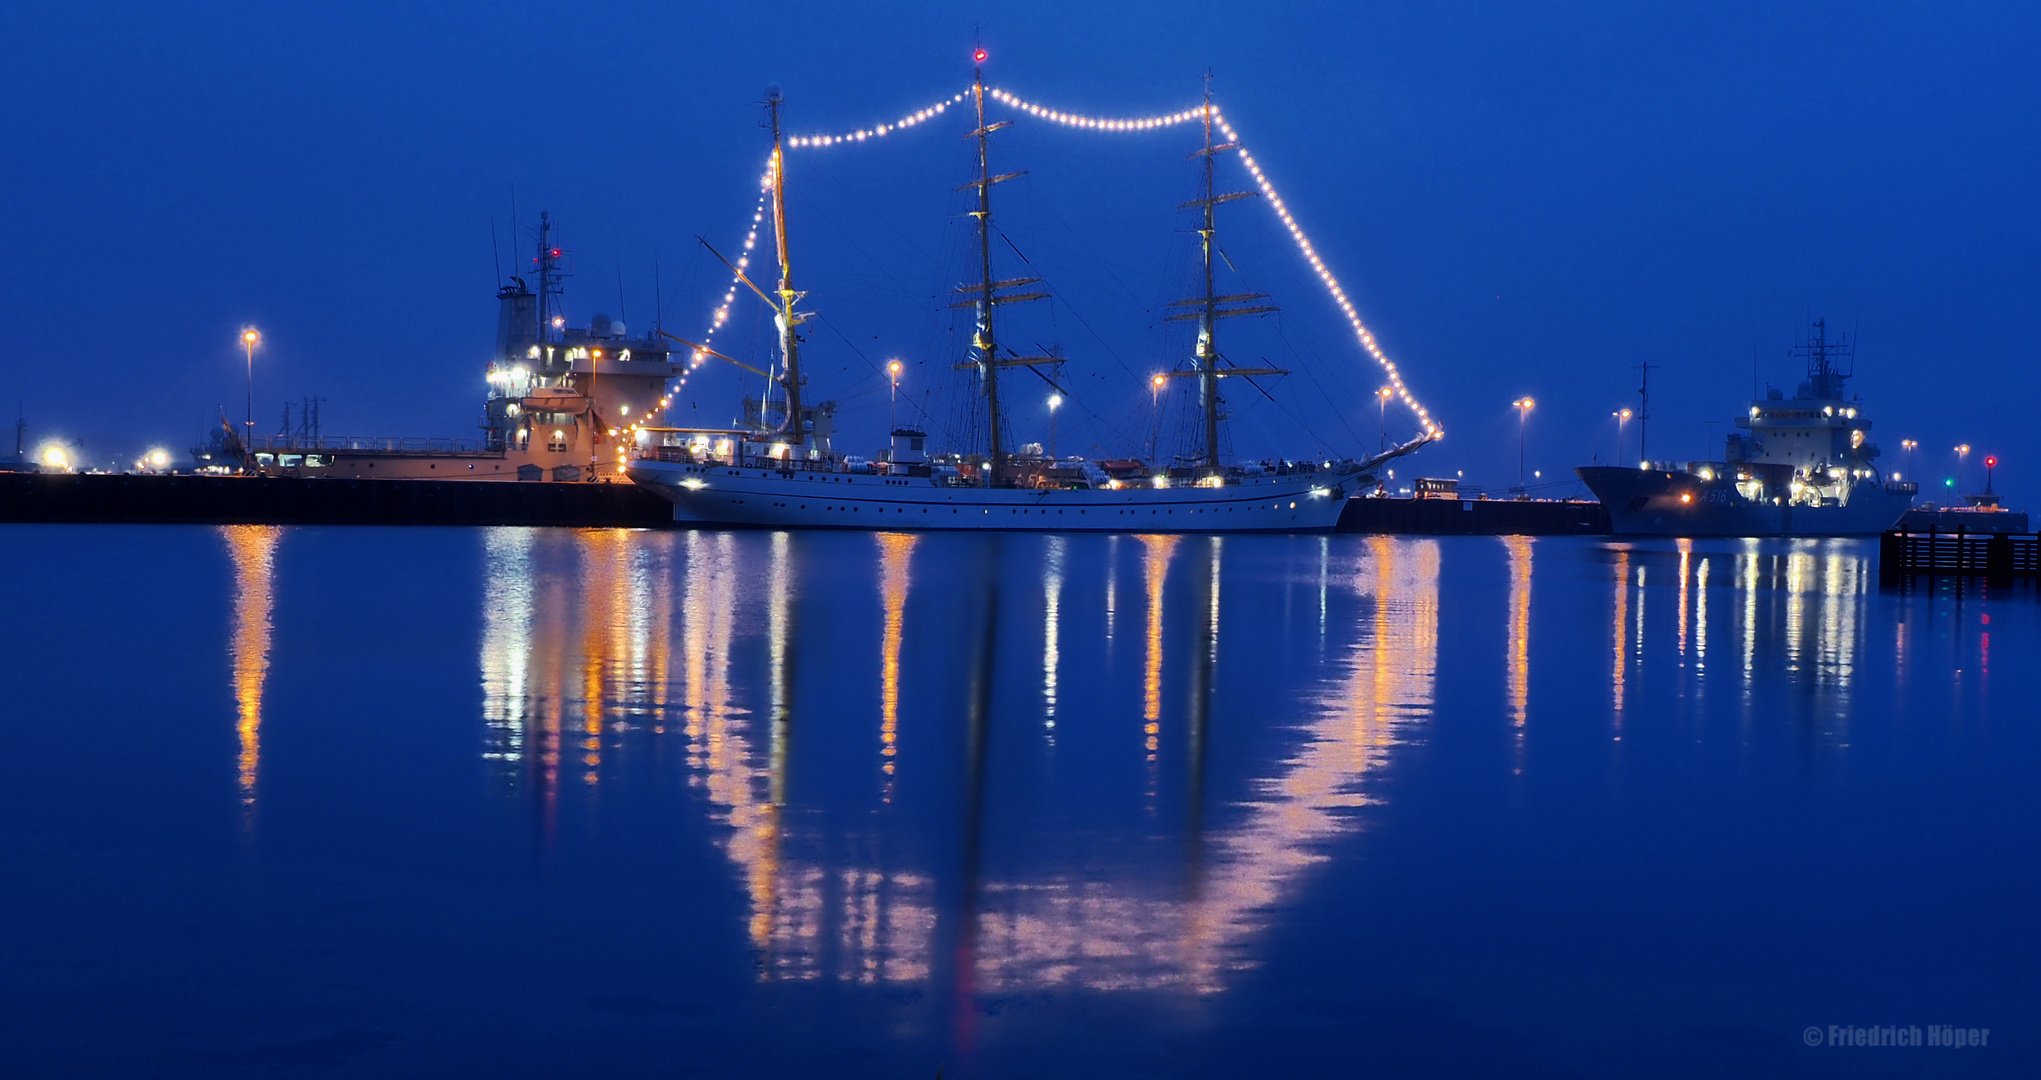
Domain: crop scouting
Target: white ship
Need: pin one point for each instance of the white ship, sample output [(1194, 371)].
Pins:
[(1807, 468), (789, 476)]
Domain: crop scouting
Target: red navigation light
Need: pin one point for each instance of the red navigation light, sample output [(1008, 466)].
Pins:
[(1991, 463), (556, 253), (978, 56)]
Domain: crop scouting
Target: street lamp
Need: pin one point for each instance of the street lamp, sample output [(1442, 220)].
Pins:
[(1622, 417), (1962, 452), (1523, 406), (1155, 386), (1055, 401), (893, 413), (249, 337), (1908, 445), (1382, 396)]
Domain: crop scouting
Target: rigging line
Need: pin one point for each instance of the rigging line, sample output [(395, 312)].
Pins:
[(824, 320), (1108, 267), (1074, 313), (811, 205), (1312, 374)]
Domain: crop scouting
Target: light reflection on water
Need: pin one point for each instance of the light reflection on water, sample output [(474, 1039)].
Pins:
[(253, 551), (619, 611), (972, 769), (876, 916)]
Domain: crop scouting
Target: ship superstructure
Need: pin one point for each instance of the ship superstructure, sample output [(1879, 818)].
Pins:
[(561, 401), (785, 475), (1804, 466)]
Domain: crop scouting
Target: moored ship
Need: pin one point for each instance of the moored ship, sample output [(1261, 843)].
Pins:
[(1805, 468), (561, 400), (786, 474)]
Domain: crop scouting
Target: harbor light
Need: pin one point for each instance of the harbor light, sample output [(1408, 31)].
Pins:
[(55, 457), (249, 338), (1523, 406)]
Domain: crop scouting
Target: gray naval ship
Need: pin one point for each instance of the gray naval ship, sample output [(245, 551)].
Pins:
[(1805, 467)]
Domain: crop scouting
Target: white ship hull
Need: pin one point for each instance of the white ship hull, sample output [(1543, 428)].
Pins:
[(716, 494)]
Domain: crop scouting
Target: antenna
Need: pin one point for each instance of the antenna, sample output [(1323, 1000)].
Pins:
[(620, 298), (495, 255), (1643, 405)]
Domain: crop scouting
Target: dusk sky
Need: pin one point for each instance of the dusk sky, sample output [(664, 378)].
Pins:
[(1521, 199)]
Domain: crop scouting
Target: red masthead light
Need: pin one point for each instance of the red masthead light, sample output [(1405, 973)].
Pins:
[(978, 56), (1991, 462), (556, 253)]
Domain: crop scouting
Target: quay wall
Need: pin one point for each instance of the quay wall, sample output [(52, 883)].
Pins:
[(280, 500), (1473, 517)]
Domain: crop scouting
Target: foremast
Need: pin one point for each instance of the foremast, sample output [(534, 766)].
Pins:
[(1211, 307), (789, 321)]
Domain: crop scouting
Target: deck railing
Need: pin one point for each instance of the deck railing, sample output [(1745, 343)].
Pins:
[(291, 444)]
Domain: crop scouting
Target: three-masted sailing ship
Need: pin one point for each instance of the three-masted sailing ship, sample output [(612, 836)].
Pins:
[(788, 476)]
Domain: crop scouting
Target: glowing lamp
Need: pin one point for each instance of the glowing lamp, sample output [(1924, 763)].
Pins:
[(977, 57)]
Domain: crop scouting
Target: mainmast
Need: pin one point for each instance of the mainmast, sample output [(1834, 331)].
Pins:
[(789, 339), (1205, 361), (986, 289), (549, 278)]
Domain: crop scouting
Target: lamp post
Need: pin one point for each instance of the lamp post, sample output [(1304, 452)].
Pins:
[(893, 411), (1990, 463), (1382, 396), (1055, 401), (1907, 447), (1523, 406), (1155, 386), (1962, 452), (249, 337), (1622, 417)]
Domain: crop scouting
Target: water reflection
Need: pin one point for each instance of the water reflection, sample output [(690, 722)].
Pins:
[(1801, 602), (1622, 631), (896, 552), (871, 902), (1517, 663), (253, 551)]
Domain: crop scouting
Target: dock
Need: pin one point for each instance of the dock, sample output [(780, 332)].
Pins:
[(282, 500), (1474, 517), (105, 498), (1904, 556)]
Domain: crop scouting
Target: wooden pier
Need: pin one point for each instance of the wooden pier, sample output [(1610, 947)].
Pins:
[(1903, 556)]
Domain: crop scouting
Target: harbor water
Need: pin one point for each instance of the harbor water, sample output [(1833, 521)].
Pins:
[(324, 801)]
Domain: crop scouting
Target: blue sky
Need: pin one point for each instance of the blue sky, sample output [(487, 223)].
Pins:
[(1521, 199)]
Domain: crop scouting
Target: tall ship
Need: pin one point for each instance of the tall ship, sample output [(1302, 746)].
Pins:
[(1805, 466), (561, 399), (785, 474)]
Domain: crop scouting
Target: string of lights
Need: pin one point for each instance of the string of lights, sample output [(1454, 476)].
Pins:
[(1275, 201), (1332, 285), (1095, 123), (919, 116), (722, 313)]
